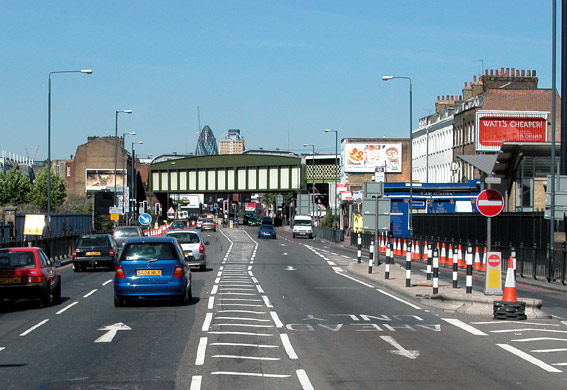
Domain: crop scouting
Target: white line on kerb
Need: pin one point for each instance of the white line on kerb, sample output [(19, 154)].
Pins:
[(398, 299), (207, 322), (287, 346), (528, 358), (200, 360), (196, 382), (33, 328), (304, 380), (67, 307), (463, 326)]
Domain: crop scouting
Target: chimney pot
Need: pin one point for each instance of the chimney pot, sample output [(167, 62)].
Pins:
[(534, 73), (512, 72), (507, 72), (523, 72), (486, 72), (474, 79), (491, 72)]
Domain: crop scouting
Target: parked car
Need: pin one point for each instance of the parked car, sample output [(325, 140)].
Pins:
[(253, 221), (209, 224), (267, 231), (122, 233), (193, 246), (27, 273), (95, 250), (177, 225), (152, 267)]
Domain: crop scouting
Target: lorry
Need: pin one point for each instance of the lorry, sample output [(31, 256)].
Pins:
[(302, 226)]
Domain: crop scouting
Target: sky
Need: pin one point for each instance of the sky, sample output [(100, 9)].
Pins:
[(281, 71)]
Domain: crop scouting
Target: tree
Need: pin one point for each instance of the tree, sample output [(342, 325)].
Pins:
[(15, 188), (39, 190)]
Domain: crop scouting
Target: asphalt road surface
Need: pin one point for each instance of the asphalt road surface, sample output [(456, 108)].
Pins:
[(270, 314)]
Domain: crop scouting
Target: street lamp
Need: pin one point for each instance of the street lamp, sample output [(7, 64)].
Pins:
[(336, 170), (86, 71), (133, 194), (312, 179), (116, 151), (386, 78)]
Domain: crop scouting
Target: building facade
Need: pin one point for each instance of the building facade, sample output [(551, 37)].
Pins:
[(232, 143)]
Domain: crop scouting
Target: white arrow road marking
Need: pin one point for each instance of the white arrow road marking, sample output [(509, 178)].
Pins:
[(111, 332), (284, 254), (399, 349), (289, 268)]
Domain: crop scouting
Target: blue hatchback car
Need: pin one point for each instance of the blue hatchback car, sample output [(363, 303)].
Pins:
[(267, 231), (152, 267)]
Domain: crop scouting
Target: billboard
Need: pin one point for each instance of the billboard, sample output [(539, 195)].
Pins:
[(493, 127), (103, 179), (365, 157)]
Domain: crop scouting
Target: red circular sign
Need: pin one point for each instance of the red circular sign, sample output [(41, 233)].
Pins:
[(489, 203), (493, 260)]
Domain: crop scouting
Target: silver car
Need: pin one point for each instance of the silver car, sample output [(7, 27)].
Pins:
[(193, 246)]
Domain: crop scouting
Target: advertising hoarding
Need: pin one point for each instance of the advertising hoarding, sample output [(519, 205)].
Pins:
[(494, 127), (365, 157), (103, 179)]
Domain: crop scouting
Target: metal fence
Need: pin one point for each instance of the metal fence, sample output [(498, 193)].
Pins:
[(330, 234)]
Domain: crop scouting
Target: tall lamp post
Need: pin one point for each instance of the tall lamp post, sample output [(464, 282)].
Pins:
[(410, 224), (86, 71), (312, 179), (124, 166), (336, 172), (116, 151), (133, 186)]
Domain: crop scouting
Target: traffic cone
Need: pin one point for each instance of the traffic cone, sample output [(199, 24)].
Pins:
[(425, 251), (443, 258), (484, 260), (476, 260), (405, 248), (414, 251), (510, 285), (460, 263), (450, 255), (399, 247)]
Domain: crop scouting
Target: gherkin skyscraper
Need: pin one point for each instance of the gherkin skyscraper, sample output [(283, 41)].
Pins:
[(207, 143)]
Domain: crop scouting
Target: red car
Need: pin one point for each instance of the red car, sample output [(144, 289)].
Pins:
[(27, 273)]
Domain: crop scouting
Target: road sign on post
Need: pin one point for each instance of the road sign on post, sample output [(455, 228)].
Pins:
[(490, 203)]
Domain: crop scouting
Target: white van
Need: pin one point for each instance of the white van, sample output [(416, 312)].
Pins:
[(302, 226)]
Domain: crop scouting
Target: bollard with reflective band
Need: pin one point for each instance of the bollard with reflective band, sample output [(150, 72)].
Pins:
[(455, 269), (388, 257), (429, 255), (371, 257), (408, 269), (359, 246), (468, 280), (435, 272)]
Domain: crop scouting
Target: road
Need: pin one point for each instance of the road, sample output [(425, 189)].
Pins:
[(270, 314)]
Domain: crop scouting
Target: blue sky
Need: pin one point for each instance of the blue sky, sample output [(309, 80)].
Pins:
[(280, 71)]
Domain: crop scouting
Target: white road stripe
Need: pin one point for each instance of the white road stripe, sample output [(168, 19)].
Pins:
[(463, 326), (207, 322), (90, 293), (288, 347), (507, 323), (211, 304), (201, 351), (214, 289), (527, 330), (399, 299), (247, 325), (67, 307), (249, 374), (549, 350), (196, 381), (259, 288), (267, 301), (242, 311), (243, 333), (276, 319), (245, 357), (304, 380), (2, 348), (242, 319), (33, 328), (356, 280), (245, 345), (529, 358), (108, 281)]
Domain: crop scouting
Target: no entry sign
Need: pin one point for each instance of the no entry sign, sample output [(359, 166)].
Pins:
[(489, 203)]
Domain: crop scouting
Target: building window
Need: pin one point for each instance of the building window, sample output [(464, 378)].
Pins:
[(68, 171)]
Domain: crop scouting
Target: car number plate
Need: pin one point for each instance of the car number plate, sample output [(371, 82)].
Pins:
[(10, 280), (93, 253), (149, 272)]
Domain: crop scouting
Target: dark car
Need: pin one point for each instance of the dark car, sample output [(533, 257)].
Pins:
[(152, 267), (122, 233), (267, 231), (252, 221), (93, 250), (178, 225), (27, 273)]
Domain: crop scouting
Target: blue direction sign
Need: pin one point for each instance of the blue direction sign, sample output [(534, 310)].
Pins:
[(145, 219)]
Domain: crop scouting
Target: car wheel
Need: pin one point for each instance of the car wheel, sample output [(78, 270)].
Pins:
[(203, 268), (45, 298), (184, 298), (293, 235), (274, 237), (57, 293), (76, 268), (118, 301)]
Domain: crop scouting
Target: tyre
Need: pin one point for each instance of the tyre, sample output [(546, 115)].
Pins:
[(184, 298), (293, 235), (203, 267), (57, 293), (118, 301), (45, 297)]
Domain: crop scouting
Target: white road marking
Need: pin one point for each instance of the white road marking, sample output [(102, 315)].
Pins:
[(529, 358), (507, 323), (249, 374), (247, 325), (2, 348), (304, 380), (211, 304), (90, 293), (214, 289), (111, 331), (196, 381), (245, 345), (463, 326), (337, 269), (201, 351), (527, 330), (241, 319), (245, 357), (356, 280), (33, 328), (67, 307), (207, 322), (108, 281), (243, 333), (288, 347), (276, 319), (399, 299), (540, 339), (549, 350), (242, 311), (267, 301), (399, 349)]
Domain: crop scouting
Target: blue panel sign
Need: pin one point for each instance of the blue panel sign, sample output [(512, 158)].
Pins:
[(145, 219)]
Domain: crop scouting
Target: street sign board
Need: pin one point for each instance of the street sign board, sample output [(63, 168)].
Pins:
[(493, 281), (490, 203), (145, 219)]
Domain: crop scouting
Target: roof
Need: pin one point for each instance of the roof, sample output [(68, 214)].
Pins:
[(482, 162), (511, 154)]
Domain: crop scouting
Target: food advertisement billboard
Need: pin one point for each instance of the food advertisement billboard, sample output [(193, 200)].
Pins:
[(103, 179), (494, 127), (365, 157)]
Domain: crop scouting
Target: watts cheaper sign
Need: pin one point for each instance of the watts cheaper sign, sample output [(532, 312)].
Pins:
[(494, 127)]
